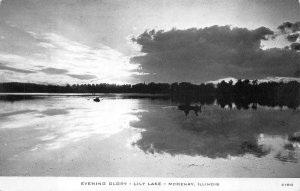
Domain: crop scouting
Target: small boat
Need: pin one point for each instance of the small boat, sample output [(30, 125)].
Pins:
[(97, 99)]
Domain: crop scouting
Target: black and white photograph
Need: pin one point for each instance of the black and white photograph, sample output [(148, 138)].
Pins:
[(150, 88)]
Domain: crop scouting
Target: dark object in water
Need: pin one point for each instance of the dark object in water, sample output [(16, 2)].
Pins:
[(187, 108), (97, 99)]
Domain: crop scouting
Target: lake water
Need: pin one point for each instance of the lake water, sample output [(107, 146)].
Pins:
[(133, 136)]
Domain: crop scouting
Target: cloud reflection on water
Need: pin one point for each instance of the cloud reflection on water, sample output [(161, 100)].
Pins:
[(159, 126), (219, 133), (60, 122)]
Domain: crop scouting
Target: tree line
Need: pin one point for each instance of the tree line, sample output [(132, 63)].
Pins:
[(243, 93)]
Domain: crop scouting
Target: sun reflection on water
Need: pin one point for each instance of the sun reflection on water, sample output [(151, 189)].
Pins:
[(70, 120)]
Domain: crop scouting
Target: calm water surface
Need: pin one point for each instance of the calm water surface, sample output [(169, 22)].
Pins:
[(135, 136)]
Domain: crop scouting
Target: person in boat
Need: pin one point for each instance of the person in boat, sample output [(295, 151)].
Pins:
[(97, 99)]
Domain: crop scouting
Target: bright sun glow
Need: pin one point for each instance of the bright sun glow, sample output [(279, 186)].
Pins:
[(65, 61)]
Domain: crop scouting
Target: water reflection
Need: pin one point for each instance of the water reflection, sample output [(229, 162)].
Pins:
[(13, 98), (242, 102), (222, 128), (58, 121), (283, 149), (51, 112), (219, 133), (255, 149), (295, 137)]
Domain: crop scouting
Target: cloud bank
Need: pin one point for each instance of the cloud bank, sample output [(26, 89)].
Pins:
[(198, 55)]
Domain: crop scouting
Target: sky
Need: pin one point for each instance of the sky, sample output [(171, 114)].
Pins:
[(131, 41)]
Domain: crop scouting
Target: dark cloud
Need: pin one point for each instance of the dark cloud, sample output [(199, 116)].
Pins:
[(54, 71), (4, 67), (198, 55), (83, 77), (292, 31), (293, 37), (295, 46), (288, 27)]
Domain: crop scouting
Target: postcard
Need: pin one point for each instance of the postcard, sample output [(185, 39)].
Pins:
[(149, 95)]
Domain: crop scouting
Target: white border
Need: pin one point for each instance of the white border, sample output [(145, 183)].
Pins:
[(140, 184)]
